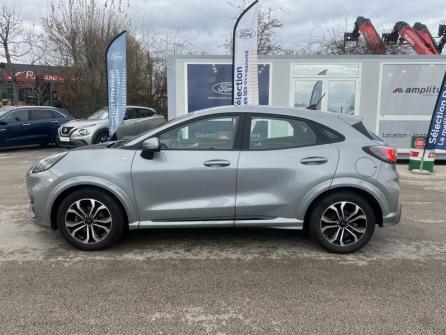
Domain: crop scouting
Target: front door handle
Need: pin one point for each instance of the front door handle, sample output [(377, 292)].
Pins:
[(314, 160), (217, 163), (26, 124)]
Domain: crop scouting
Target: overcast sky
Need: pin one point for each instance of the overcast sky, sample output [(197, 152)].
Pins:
[(206, 24)]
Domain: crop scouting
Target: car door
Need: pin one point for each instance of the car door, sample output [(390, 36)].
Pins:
[(193, 177), (149, 119), (129, 124), (14, 128), (282, 160), (43, 125)]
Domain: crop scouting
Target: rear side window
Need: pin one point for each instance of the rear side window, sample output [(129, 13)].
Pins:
[(40, 114), (273, 133)]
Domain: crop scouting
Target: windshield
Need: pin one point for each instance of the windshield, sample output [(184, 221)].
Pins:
[(100, 114)]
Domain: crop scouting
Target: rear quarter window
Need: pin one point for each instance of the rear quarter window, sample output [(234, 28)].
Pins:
[(363, 130), (329, 135)]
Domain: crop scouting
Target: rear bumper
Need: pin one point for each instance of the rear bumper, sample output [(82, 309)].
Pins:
[(392, 218)]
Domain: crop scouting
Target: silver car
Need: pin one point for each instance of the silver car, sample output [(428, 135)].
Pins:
[(94, 129), (225, 167)]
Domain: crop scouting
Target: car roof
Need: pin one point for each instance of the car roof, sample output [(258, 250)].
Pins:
[(27, 107), (315, 115), (327, 118), (6, 109)]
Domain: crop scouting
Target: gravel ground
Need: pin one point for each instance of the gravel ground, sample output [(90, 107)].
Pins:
[(223, 281)]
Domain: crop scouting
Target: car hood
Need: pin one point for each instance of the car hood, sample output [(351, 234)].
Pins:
[(93, 146), (84, 123)]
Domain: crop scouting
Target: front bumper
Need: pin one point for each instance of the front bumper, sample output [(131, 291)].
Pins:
[(39, 186)]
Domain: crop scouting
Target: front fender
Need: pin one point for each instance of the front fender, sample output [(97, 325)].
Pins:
[(126, 201)]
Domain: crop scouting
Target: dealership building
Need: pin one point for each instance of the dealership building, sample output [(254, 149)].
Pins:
[(394, 94)]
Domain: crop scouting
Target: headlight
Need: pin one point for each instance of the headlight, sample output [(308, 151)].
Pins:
[(83, 132), (48, 162)]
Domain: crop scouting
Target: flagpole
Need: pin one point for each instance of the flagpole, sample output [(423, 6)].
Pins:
[(233, 45), (443, 83)]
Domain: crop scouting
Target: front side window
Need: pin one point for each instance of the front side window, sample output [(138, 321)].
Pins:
[(268, 133), (213, 133), (143, 113)]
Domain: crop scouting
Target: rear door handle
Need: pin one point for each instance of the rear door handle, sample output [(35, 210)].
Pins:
[(54, 121), (26, 124), (314, 160), (217, 163)]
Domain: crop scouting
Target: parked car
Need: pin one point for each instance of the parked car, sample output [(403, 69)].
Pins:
[(94, 129), (225, 167), (30, 125)]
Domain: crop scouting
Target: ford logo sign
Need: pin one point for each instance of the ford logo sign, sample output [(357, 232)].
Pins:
[(246, 33), (224, 88)]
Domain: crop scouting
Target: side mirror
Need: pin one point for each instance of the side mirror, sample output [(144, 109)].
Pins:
[(3, 123), (150, 146)]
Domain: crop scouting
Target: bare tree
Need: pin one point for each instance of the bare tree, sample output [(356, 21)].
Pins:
[(15, 41), (77, 34)]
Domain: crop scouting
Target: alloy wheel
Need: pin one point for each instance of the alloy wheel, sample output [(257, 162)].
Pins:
[(103, 138), (88, 221), (343, 223)]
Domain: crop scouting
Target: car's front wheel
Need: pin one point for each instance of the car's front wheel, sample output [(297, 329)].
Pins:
[(342, 222), (90, 219), (101, 137)]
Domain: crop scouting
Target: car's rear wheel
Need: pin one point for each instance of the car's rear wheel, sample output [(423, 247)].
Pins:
[(342, 222), (101, 137), (90, 219)]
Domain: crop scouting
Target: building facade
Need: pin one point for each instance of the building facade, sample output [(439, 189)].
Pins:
[(395, 95)]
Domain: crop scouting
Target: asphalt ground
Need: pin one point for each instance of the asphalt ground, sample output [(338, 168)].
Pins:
[(224, 281)]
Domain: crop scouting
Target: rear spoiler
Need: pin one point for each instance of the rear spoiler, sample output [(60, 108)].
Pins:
[(351, 119)]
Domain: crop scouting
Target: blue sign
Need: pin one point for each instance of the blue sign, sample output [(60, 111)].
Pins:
[(210, 85), (116, 82), (436, 138)]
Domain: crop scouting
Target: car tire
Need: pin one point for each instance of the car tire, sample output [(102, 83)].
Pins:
[(342, 222), (101, 137), (90, 219)]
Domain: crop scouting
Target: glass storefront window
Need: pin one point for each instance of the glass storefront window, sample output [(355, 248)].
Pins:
[(333, 70), (307, 92), (341, 96)]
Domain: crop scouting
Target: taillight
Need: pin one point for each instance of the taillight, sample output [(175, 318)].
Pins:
[(384, 153)]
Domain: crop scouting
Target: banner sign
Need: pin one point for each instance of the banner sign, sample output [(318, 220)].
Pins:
[(210, 85), (244, 53), (436, 137), (116, 81)]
